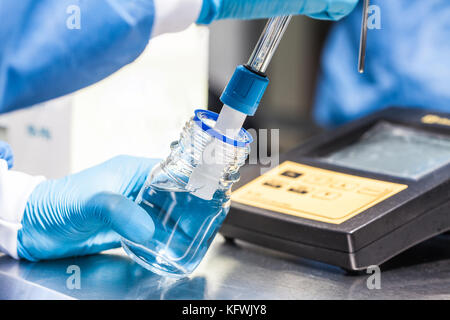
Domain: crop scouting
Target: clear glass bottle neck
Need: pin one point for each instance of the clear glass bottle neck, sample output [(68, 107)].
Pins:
[(188, 152)]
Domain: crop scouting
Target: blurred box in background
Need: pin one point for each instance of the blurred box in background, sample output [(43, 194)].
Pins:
[(139, 110)]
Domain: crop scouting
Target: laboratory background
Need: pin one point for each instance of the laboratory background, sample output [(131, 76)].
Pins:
[(118, 115)]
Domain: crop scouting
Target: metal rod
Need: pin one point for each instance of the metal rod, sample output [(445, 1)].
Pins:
[(268, 43), (363, 39)]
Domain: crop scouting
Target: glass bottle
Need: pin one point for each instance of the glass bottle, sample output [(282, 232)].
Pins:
[(185, 224)]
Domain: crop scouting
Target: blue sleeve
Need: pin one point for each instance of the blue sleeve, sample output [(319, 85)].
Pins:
[(49, 48), (407, 62)]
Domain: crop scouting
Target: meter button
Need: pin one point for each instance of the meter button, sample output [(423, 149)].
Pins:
[(291, 174), (346, 186), (301, 189), (373, 191), (326, 195), (273, 184)]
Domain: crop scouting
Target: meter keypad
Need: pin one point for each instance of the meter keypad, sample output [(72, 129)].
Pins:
[(301, 189), (273, 184), (315, 193)]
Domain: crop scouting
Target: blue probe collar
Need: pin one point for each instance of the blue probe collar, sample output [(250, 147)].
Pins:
[(245, 90), (216, 134)]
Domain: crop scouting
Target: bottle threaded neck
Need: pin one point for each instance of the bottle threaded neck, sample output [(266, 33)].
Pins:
[(199, 146)]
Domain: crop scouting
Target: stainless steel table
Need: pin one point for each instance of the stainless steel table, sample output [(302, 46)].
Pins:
[(232, 271)]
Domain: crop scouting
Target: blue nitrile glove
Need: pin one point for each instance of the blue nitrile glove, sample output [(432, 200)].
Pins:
[(87, 212), (252, 9), (6, 154)]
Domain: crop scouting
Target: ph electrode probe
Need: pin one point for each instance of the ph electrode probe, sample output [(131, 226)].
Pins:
[(244, 92), (241, 98)]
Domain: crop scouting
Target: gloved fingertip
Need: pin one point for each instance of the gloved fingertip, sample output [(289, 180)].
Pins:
[(341, 9), (208, 13), (320, 16), (143, 229), (124, 216)]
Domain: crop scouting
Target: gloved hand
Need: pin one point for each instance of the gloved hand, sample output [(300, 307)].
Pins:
[(6, 154), (87, 212), (252, 9)]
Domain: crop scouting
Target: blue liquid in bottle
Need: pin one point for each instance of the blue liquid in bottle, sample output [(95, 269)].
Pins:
[(185, 225)]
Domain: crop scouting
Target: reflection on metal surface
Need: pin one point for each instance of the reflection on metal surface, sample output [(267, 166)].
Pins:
[(12, 288), (233, 271)]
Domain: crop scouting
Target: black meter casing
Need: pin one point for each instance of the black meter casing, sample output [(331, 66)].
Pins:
[(417, 212)]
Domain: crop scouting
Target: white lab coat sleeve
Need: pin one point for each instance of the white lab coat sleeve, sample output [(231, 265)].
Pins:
[(175, 15), (15, 188)]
